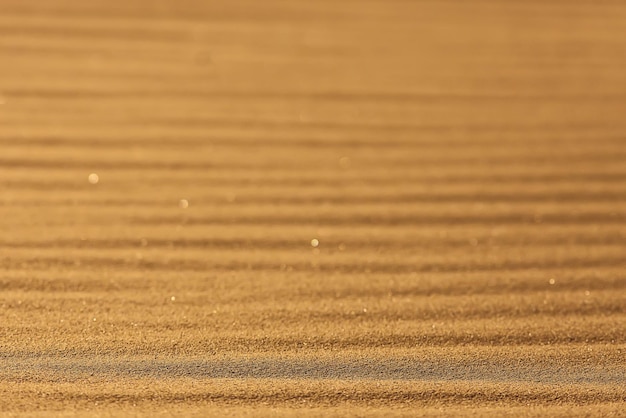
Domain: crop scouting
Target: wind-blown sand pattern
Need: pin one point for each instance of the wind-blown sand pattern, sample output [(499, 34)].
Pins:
[(291, 208)]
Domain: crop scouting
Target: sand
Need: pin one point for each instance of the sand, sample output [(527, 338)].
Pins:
[(289, 208)]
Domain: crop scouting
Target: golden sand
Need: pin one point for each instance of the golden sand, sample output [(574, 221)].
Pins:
[(325, 208)]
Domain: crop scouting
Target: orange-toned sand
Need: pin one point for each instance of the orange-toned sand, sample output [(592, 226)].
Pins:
[(312, 208)]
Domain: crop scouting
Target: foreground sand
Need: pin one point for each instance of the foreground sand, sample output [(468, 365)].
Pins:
[(378, 208)]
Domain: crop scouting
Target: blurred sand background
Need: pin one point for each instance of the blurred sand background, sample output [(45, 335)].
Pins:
[(372, 208)]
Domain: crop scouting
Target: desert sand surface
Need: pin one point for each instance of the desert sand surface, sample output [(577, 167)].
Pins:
[(312, 208)]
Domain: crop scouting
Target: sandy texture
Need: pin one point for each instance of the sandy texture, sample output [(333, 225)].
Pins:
[(326, 208)]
